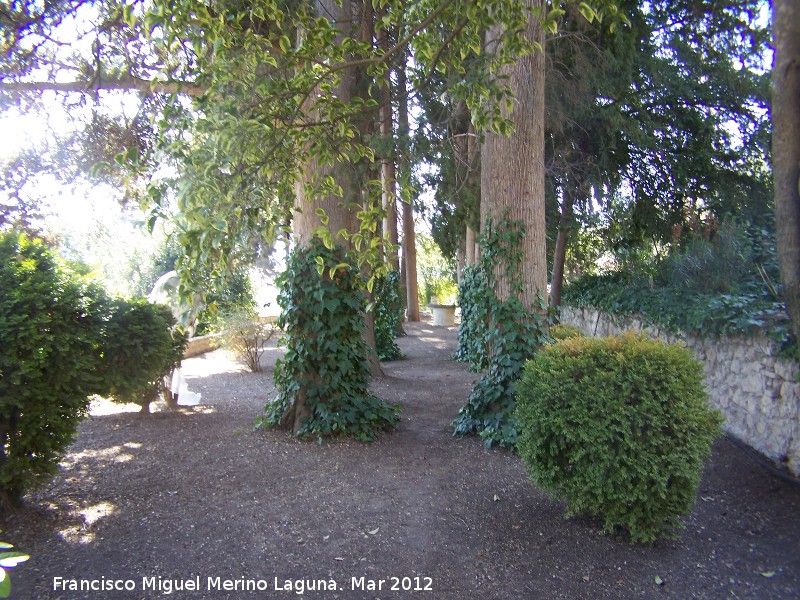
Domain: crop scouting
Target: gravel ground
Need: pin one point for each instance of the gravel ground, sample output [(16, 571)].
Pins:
[(197, 504)]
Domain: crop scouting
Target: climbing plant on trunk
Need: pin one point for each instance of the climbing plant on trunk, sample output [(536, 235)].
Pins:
[(497, 334), (323, 378)]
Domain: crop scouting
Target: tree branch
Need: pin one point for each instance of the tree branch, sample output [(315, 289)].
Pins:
[(126, 83)]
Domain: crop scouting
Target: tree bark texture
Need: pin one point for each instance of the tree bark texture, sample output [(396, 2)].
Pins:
[(341, 212), (388, 175), (512, 168), (560, 250), (409, 237), (469, 258), (786, 149)]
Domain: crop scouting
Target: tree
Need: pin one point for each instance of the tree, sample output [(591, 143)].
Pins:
[(650, 109), (409, 266), (512, 166), (786, 150)]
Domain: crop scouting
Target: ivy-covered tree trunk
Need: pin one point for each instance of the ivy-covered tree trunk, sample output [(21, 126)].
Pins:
[(512, 167), (786, 149), (323, 377), (337, 213), (513, 279)]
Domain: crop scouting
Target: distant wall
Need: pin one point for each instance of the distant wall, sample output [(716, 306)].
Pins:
[(200, 345), (754, 389)]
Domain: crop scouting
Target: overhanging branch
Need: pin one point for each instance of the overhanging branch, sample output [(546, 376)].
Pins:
[(126, 83)]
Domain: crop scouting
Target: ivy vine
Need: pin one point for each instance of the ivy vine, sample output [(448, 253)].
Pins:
[(389, 307), (473, 333), (323, 377), (497, 336)]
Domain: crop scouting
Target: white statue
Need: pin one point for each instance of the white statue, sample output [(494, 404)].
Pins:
[(165, 291)]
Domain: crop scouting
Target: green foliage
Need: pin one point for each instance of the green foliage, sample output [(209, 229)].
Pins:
[(436, 273), (475, 300), (323, 378), (244, 334), (232, 295), (721, 264), (676, 309), (162, 259), (565, 331), (8, 560), (506, 334), (619, 428), (140, 348), (389, 308), (51, 324), (720, 286)]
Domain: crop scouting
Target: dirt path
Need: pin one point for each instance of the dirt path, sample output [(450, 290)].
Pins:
[(158, 502)]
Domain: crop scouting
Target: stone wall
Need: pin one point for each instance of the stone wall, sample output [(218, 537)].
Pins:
[(200, 345), (753, 388)]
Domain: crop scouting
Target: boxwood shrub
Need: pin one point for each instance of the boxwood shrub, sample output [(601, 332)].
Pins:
[(618, 428), (51, 327), (140, 348), (565, 331)]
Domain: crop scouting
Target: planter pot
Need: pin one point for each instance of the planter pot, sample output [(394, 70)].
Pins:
[(444, 315)]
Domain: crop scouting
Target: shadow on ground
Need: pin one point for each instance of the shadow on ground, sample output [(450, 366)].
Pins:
[(156, 502)]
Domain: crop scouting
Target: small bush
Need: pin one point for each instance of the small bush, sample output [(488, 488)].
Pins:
[(617, 427), (51, 323), (140, 349), (565, 331), (245, 335)]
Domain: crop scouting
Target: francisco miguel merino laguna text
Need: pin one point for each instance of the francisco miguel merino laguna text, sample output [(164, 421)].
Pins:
[(167, 586)]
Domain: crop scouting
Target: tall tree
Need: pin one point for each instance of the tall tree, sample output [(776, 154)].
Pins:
[(669, 109), (786, 149), (512, 166), (267, 105), (409, 267)]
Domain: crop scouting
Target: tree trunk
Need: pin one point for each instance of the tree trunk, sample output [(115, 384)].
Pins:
[(469, 259), (459, 265), (388, 175), (409, 238), (560, 250), (341, 212), (786, 149), (512, 167)]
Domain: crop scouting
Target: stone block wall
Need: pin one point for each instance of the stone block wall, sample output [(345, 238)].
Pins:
[(754, 389)]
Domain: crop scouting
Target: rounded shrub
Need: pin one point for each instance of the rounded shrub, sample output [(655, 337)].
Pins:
[(618, 428), (565, 331), (51, 327), (140, 349)]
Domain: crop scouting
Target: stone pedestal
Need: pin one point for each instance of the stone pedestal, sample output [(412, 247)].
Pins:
[(444, 315)]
